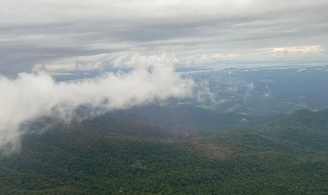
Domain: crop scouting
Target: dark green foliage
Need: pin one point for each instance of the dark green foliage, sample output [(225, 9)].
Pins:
[(279, 154)]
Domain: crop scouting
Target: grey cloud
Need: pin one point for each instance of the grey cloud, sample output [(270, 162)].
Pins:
[(49, 30)]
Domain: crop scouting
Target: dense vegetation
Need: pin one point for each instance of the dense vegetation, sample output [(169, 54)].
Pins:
[(276, 154)]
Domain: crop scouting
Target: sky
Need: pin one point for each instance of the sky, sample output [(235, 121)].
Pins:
[(67, 35)]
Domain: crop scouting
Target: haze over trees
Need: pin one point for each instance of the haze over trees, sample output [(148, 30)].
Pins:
[(275, 154)]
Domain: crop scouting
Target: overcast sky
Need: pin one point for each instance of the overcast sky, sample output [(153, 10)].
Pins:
[(70, 35)]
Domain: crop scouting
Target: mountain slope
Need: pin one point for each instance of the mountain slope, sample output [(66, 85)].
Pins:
[(279, 154), (181, 118)]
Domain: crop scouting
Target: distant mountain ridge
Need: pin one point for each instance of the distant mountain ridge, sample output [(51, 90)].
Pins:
[(198, 120)]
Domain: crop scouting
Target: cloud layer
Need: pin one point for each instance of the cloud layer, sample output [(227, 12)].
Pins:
[(39, 32), (33, 95)]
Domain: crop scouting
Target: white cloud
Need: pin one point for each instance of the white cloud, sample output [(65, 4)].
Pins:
[(204, 93), (232, 89), (125, 60), (302, 49), (33, 95), (267, 94), (250, 86)]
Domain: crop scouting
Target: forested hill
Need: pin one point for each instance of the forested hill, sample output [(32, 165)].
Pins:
[(204, 122), (180, 118), (276, 154)]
